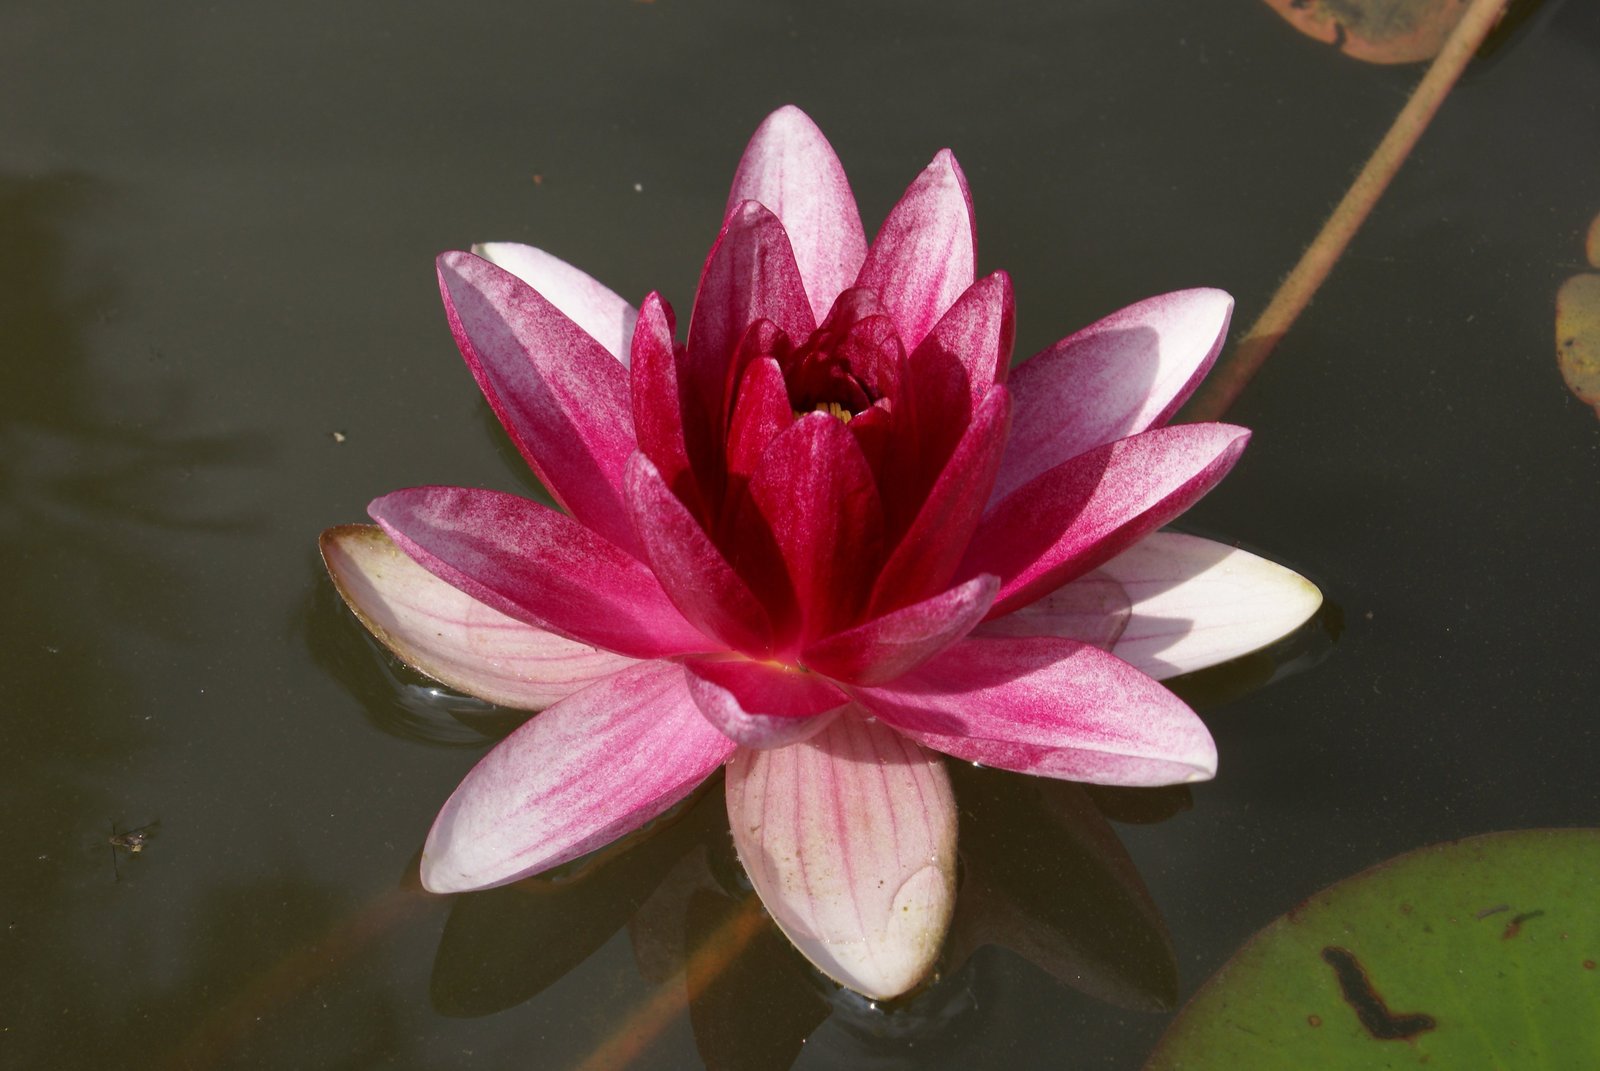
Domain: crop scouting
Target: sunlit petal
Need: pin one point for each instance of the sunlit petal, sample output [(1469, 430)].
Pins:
[(849, 838), (561, 395), (451, 636), (590, 304), (791, 169), (591, 768), (1056, 708)]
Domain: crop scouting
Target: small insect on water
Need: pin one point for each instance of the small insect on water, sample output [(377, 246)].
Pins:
[(132, 841)]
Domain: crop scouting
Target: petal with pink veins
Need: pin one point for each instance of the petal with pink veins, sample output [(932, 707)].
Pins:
[(886, 647), (791, 169), (595, 766), (1117, 377), (849, 838), (690, 568), (1050, 707), (1089, 509), (538, 566), (759, 704), (1196, 603), (925, 254), (586, 301), (451, 636), (562, 396)]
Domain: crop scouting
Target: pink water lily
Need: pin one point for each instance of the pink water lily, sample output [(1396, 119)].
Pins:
[(824, 540)]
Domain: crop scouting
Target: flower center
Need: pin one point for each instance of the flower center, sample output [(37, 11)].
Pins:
[(849, 363)]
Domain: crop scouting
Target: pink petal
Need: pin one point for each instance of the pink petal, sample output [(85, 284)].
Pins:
[(451, 636), (593, 767), (690, 568), (1196, 603), (1050, 707), (976, 332), (562, 396), (1087, 510), (657, 404), (887, 647), (593, 306), (850, 840), (791, 169), (760, 414), (1117, 377), (928, 554), (1091, 609), (749, 276), (819, 501), (538, 566), (761, 705), (925, 253)]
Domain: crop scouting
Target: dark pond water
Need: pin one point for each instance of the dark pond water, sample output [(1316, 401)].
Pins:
[(217, 225)]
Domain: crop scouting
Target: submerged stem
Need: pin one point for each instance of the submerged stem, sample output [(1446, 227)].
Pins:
[(1233, 373)]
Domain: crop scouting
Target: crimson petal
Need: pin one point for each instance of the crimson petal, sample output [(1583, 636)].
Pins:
[(562, 396), (750, 275), (690, 568), (818, 498), (930, 551), (539, 566)]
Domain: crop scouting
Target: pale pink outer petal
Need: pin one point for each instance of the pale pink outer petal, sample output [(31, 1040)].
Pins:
[(925, 254), (760, 705), (593, 767), (1051, 707), (1196, 603), (1089, 509), (451, 636), (586, 301), (539, 566), (850, 841), (791, 169), (563, 399), (1117, 377), (882, 649)]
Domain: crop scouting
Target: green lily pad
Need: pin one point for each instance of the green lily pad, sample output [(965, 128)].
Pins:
[(1478, 953)]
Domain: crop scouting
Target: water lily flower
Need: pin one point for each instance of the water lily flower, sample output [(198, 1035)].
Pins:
[(826, 540)]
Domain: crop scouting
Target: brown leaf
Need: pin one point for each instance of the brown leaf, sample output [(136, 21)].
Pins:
[(1376, 31)]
